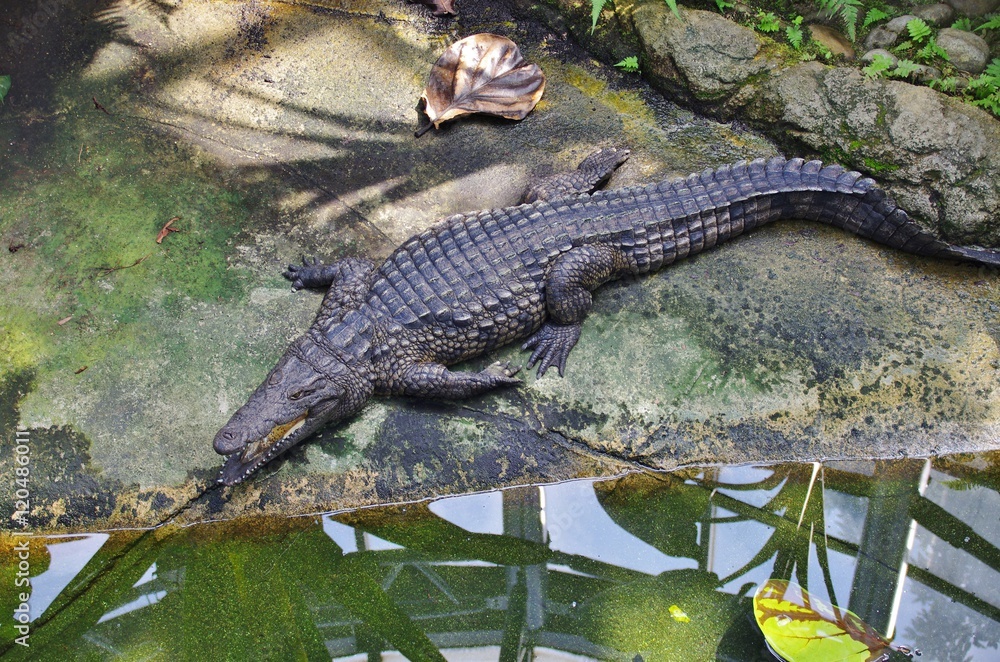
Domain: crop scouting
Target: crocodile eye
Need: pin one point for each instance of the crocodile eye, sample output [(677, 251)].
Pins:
[(300, 394)]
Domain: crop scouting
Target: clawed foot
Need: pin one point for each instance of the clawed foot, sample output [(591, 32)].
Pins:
[(504, 373), (552, 344), (309, 274)]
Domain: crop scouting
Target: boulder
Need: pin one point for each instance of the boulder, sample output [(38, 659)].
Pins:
[(975, 7), (701, 53), (967, 51), (935, 154), (898, 24), (835, 42), (876, 52), (880, 38), (937, 14)]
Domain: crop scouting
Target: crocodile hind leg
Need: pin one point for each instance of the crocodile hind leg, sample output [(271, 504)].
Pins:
[(433, 380), (348, 281), (591, 173), (567, 291)]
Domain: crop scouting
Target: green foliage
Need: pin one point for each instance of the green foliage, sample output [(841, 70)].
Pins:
[(992, 24), (946, 85), (880, 66), (918, 29), (984, 90), (596, 6), (794, 33), (768, 22), (847, 10), (723, 5), (874, 16), (904, 69), (962, 24), (629, 64), (673, 7), (993, 69), (4, 87), (931, 51)]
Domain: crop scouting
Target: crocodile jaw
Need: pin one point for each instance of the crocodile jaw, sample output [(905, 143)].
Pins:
[(255, 454)]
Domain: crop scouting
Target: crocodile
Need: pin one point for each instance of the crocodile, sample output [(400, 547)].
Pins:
[(477, 281)]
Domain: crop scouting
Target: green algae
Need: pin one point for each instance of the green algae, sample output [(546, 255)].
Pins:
[(87, 221), (657, 566)]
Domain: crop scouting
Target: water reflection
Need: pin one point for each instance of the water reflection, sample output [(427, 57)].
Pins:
[(647, 566)]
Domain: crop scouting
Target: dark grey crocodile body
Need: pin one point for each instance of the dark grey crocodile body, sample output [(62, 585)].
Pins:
[(478, 281)]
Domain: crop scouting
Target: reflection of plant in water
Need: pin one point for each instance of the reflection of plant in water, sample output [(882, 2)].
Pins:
[(302, 589), (950, 625), (800, 500)]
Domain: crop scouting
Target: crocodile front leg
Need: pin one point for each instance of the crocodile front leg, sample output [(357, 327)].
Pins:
[(348, 281), (591, 173), (433, 380), (573, 276)]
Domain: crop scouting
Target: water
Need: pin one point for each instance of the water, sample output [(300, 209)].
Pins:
[(585, 570)]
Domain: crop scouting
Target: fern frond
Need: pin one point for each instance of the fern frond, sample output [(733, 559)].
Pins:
[(993, 69), (629, 64), (992, 24), (918, 29), (879, 66), (904, 69), (847, 10), (874, 16), (596, 6)]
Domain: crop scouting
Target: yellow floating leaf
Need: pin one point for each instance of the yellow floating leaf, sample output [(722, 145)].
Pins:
[(678, 614), (801, 628)]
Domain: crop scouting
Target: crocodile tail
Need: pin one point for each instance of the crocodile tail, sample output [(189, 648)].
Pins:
[(833, 195)]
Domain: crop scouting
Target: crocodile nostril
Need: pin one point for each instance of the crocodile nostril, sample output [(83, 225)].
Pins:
[(226, 442)]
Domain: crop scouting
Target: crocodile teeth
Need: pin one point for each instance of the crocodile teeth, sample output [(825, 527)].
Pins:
[(274, 439)]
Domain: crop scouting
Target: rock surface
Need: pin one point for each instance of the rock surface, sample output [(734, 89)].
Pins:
[(832, 40), (975, 7), (966, 51), (935, 154), (255, 125), (701, 53), (938, 14)]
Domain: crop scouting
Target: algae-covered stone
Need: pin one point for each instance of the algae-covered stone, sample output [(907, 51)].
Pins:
[(938, 156), (258, 125), (700, 52)]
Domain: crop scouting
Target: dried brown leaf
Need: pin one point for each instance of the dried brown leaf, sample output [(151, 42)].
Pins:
[(441, 7), (484, 73), (166, 229)]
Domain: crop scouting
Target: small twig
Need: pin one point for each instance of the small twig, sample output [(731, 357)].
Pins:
[(79, 370), (98, 106), (166, 229), (424, 129), (64, 320), (80, 155), (107, 270)]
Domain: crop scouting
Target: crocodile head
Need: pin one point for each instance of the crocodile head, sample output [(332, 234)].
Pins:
[(307, 389)]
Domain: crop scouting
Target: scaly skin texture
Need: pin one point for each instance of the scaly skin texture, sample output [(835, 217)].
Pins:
[(478, 281)]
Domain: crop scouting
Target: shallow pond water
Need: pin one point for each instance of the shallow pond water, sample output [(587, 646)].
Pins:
[(648, 566)]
